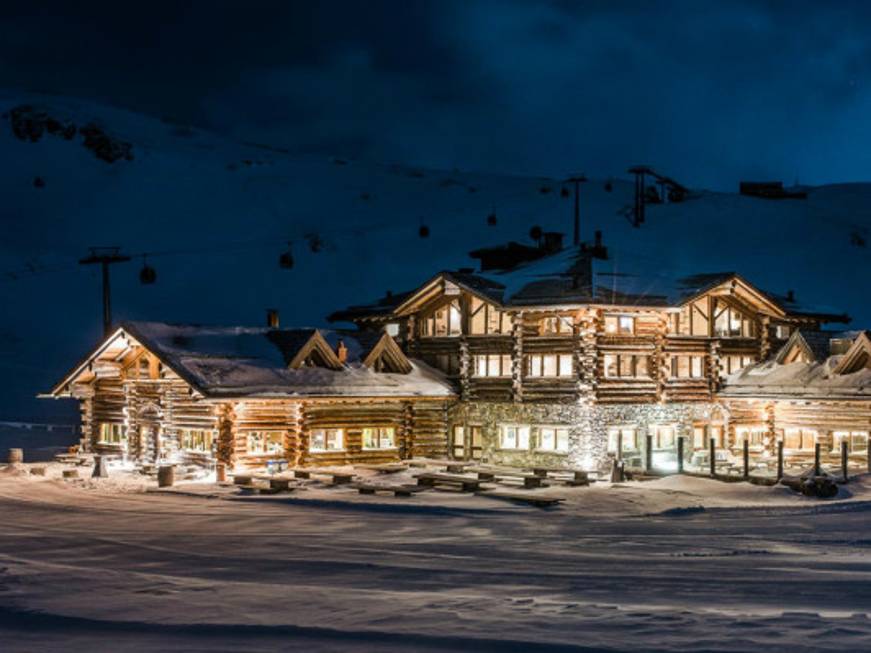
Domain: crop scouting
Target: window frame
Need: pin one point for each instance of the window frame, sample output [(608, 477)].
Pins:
[(379, 433), (188, 438), (556, 430), (518, 429), (327, 431), (634, 366), (505, 366), (117, 432), (266, 435)]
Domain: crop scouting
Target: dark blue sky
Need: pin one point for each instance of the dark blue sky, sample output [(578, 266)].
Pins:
[(710, 91)]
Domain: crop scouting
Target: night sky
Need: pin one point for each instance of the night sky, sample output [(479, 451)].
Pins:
[(709, 91)]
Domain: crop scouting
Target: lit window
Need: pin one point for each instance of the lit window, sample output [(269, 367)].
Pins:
[(663, 437), (553, 438), (555, 325), (379, 438), (197, 440), (513, 437), (620, 324), (755, 435), (799, 439), (782, 331), (264, 442), (113, 433), (626, 366), (687, 367), (326, 440), (550, 365), (445, 321), (622, 436), (857, 441), (487, 319), (498, 365), (731, 323)]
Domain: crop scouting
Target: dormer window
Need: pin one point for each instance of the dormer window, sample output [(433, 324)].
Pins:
[(621, 325), (445, 321)]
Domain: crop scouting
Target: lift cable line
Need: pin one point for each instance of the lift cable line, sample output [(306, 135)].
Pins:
[(105, 256)]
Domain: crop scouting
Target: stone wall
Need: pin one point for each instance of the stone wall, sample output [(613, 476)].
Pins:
[(588, 427)]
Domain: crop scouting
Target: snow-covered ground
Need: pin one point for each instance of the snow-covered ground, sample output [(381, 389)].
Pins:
[(677, 564)]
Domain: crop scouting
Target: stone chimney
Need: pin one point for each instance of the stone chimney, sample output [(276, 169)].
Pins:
[(342, 352), (272, 318)]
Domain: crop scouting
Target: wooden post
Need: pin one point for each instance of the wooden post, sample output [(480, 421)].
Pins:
[(817, 470), (746, 458), (844, 459), (680, 454), (220, 472), (648, 452), (779, 459), (620, 444), (165, 475), (712, 454), (99, 468)]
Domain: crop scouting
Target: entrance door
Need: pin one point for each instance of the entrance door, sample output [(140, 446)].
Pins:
[(467, 443)]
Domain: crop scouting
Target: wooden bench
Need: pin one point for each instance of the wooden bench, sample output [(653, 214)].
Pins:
[(70, 473), (465, 483), (537, 500), (37, 471), (396, 490), (281, 484), (243, 479), (456, 467), (578, 476), (386, 468), (338, 478), (302, 473), (530, 481)]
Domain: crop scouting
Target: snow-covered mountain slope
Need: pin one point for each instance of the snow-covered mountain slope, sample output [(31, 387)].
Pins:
[(217, 214)]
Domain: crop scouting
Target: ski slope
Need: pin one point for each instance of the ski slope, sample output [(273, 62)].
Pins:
[(215, 216)]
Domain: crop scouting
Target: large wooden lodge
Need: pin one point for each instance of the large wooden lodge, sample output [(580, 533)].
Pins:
[(552, 360)]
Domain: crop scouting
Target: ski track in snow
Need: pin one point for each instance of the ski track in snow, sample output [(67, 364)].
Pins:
[(331, 572)]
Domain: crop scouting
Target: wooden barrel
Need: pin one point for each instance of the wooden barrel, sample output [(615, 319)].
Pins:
[(220, 473), (16, 456), (165, 475)]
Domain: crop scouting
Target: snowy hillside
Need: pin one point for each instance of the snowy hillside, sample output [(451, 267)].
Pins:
[(216, 215)]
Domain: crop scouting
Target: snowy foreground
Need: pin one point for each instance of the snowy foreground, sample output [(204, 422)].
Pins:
[(677, 564)]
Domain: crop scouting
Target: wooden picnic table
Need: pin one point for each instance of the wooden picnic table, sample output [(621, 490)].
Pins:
[(431, 479)]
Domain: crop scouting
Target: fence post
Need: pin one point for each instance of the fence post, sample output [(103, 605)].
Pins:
[(648, 452), (680, 454), (817, 459), (844, 459), (620, 444), (712, 454), (746, 458), (779, 459)]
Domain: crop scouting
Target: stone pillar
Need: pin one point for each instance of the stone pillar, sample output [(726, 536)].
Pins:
[(226, 435), (465, 370), (517, 358)]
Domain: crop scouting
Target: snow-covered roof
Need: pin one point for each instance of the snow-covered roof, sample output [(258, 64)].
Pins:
[(817, 378), (256, 362), (574, 276)]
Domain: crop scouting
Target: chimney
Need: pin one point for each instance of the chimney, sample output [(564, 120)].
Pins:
[(272, 318), (342, 352)]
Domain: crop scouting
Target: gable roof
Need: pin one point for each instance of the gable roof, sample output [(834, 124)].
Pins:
[(857, 357), (825, 374), (262, 362)]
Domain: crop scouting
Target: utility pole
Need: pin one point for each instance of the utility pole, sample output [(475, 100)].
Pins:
[(105, 256), (577, 180)]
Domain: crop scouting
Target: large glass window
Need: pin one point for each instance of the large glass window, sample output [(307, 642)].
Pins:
[(321, 440), (755, 435), (445, 321), (498, 365), (798, 439), (687, 367), (553, 438), (513, 436), (549, 365), (620, 325), (381, 437), (197, 440), (111, 433), (554, 325), (663, 437), (857, 441), (487, 319), (625, 366), (265, 442), (624, 438), (730, 322)]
